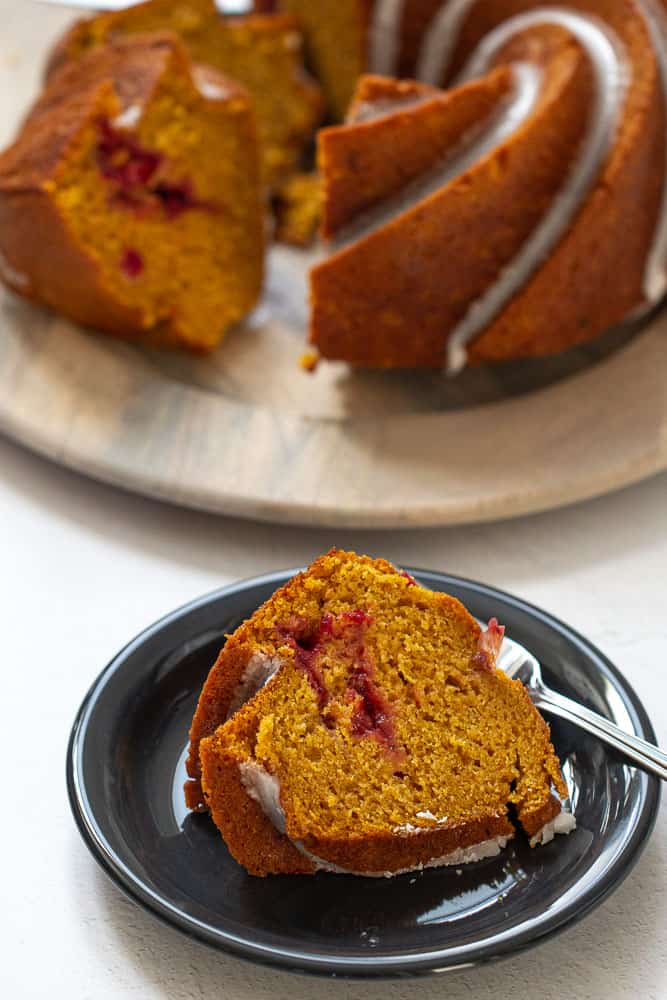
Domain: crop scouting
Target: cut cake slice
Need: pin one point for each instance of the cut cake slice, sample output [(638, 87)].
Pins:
[(131, 199), (262, 52), (357, 723)]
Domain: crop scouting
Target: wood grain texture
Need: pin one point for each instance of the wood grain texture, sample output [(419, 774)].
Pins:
[(247, 432)]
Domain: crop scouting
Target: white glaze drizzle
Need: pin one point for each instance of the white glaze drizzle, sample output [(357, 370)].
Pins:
[(563, 823), (264, 788), (366, 111), (655, 275), (13, 277), (384, 36), (460, 856), (440, 41), (611, 77)]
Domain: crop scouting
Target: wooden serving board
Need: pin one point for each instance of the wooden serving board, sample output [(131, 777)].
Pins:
[(247, 432)]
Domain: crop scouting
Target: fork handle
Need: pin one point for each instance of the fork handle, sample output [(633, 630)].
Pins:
[(646, 755)]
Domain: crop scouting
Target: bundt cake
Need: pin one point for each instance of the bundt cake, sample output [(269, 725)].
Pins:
[(131, 199), (357, 723), (516, 214), (262, 53)]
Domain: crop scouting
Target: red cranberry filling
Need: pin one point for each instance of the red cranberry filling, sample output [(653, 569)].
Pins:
[(133, 169), (409, 577), (488, 646), (122, 159), (306, 644), (131, 263), (372, 712)]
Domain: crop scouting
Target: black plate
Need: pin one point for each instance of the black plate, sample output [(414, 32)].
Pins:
[(125, 770)]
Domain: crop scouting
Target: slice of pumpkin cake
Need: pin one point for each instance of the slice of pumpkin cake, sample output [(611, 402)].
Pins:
[(357, 723), (131, 199), (264, 53)]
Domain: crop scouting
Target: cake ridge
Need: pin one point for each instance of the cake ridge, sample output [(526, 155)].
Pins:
[(611, 67), (508, 301), (475, 144), (438, 46)]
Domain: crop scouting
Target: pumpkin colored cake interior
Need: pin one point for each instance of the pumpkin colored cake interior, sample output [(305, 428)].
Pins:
[(131, 199), (262, 53), (357, 723), (296, 207)]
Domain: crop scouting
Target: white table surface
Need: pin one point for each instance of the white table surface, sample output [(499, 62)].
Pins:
[(85, 568)]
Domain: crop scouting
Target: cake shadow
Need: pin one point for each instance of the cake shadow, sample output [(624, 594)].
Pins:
[(258, 364)]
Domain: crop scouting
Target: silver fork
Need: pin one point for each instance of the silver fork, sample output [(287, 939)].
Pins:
[(518, 663)]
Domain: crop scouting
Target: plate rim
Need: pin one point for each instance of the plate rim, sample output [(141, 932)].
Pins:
[(360, 968)]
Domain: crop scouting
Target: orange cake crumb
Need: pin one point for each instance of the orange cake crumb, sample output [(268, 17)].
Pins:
[(131, 199), (296, 207), (262, 52)]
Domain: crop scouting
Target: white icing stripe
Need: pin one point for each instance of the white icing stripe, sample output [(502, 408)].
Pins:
[(655, 275), (259, 670), (611, 72), (563, 823), (264, 788), (8, 273), (513, 113), (460, 856), (440, 41), (384, 35)]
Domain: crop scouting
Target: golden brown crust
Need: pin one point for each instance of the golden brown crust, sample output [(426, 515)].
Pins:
[(32, 274), (213, 706), (391, 852)]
